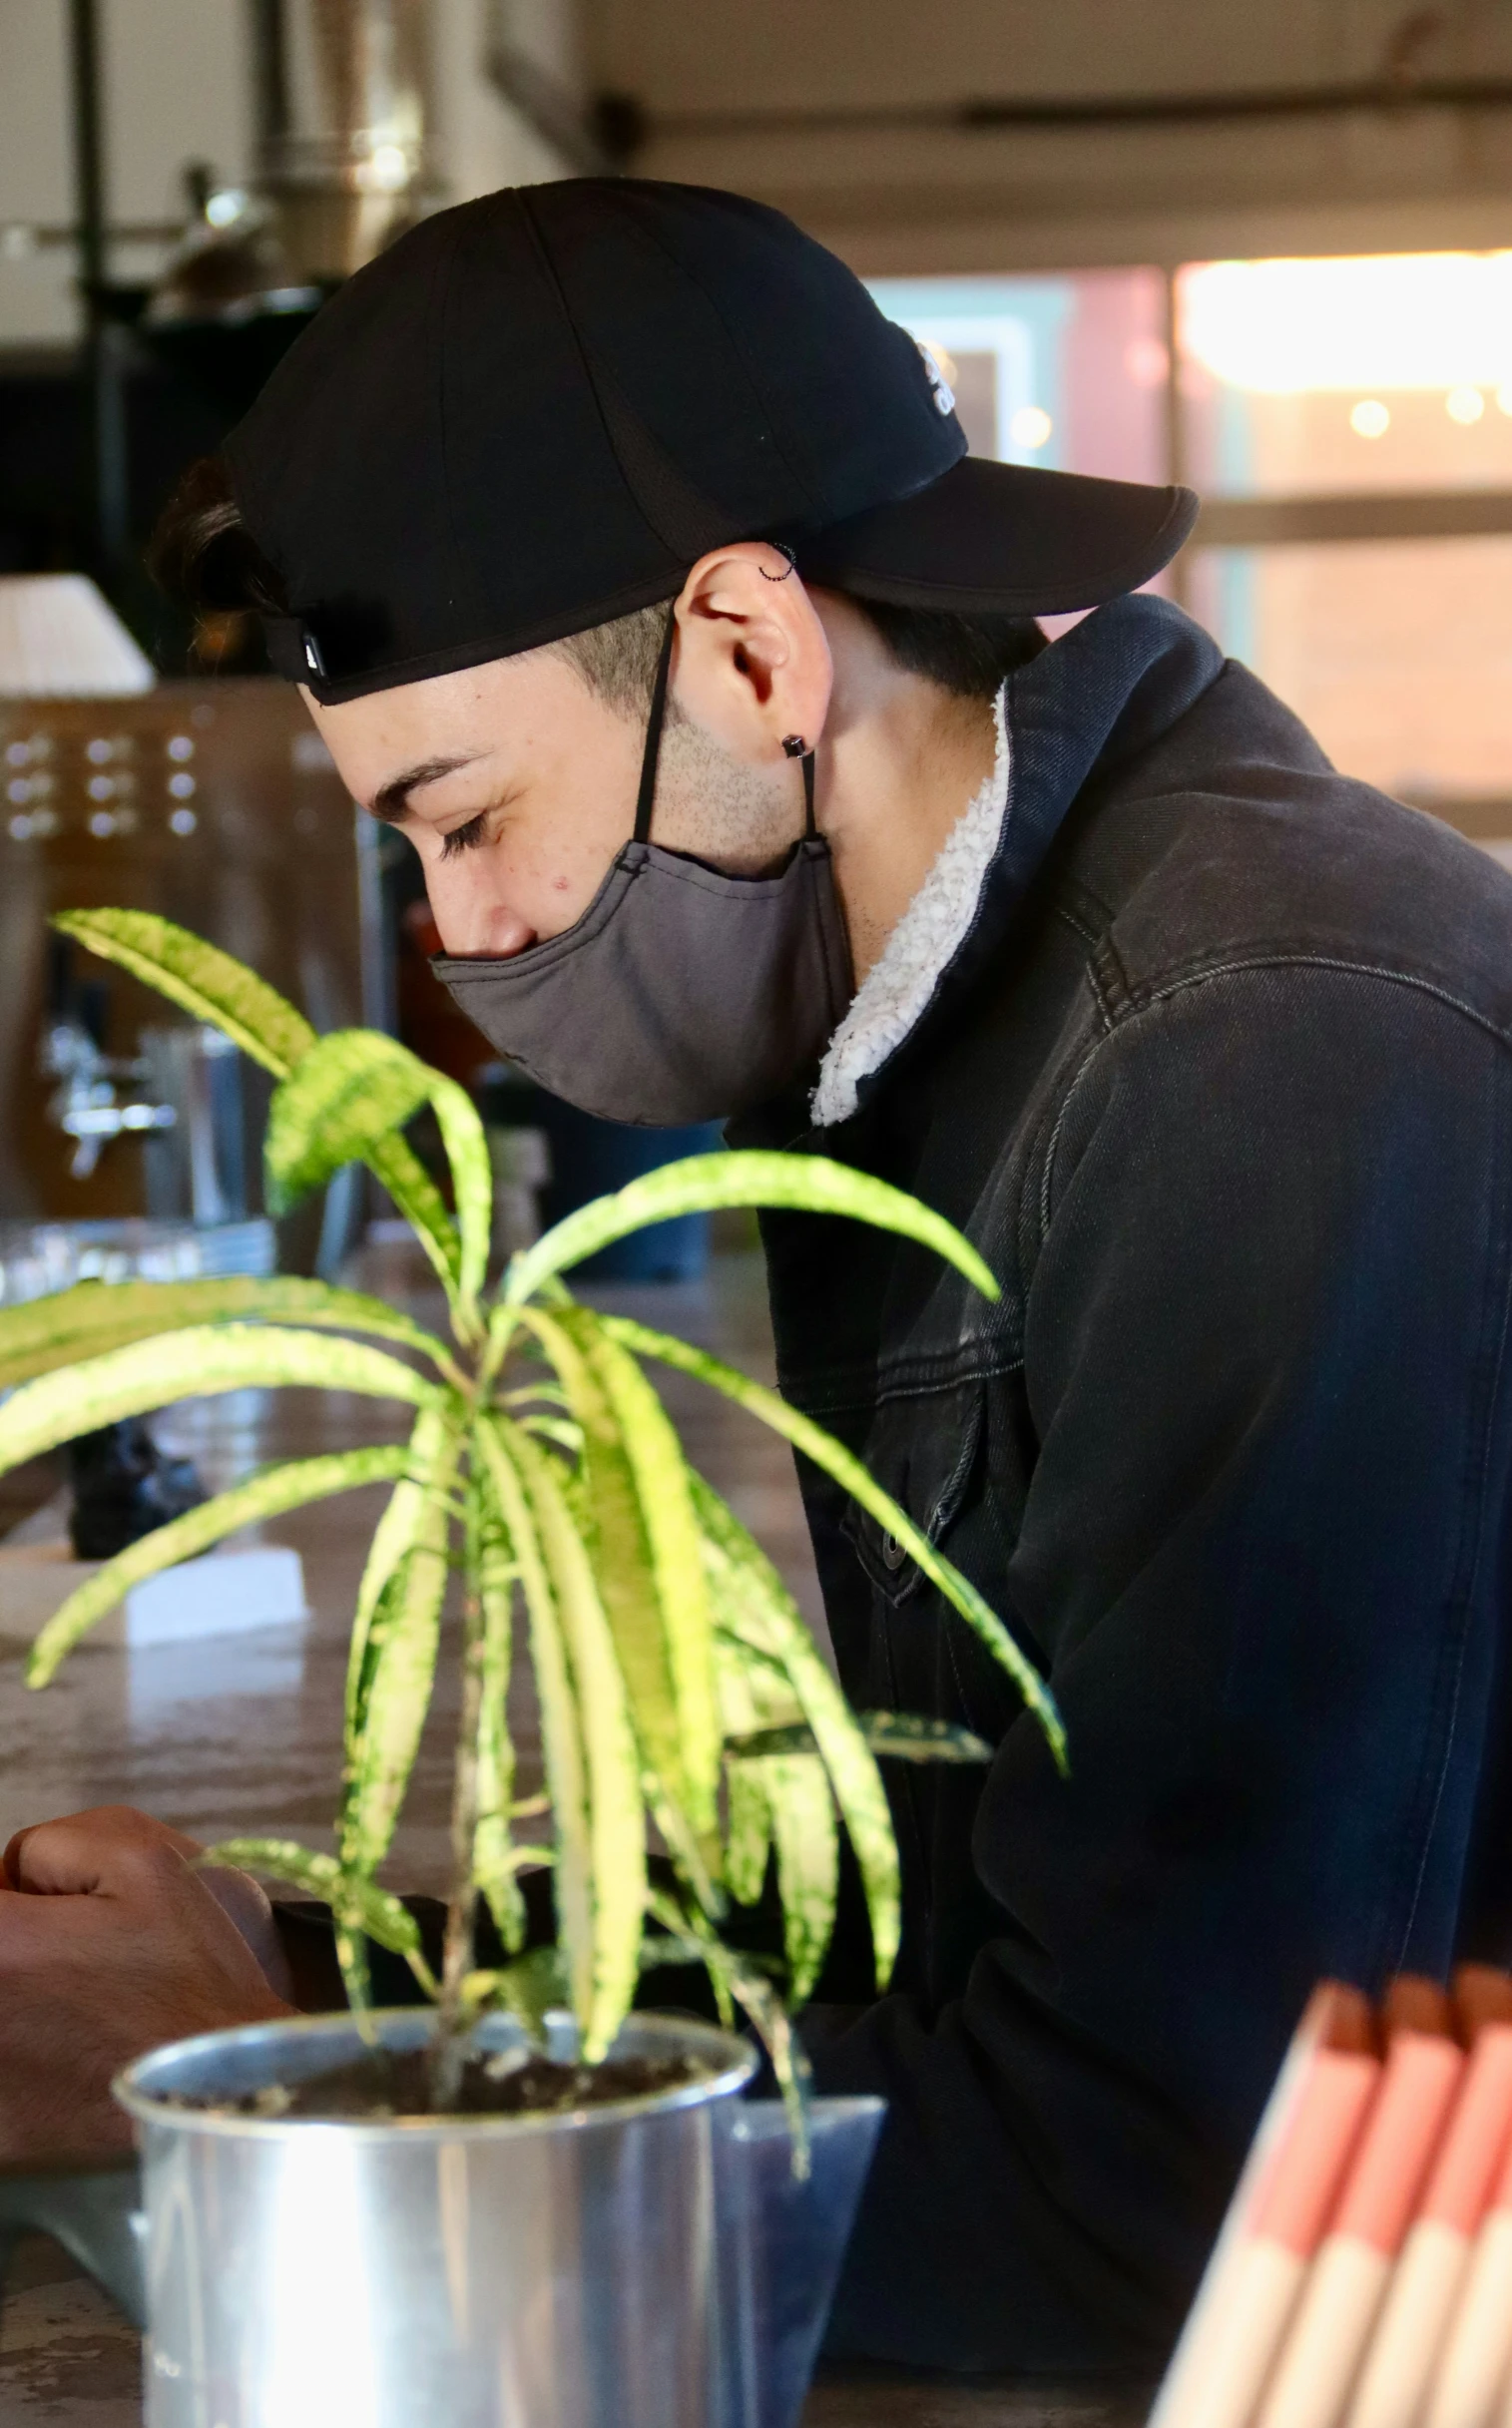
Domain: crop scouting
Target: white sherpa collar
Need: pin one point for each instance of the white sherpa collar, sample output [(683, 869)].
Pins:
[(896, 992)]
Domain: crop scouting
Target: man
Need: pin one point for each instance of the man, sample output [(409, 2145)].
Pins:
[(631, 567)]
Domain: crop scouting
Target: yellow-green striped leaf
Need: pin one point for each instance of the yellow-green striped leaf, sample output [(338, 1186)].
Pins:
[(213, 986), (97, 1316), (561, 1721), (345, 1097), (808, 1863), (899, 1737), (495, 1856), (808, 1184), (848, 1471), (357, 1904), (262, 1496), (766, 1657), (613, 1523), (748, 1838), (208, 984), (201, 1361), (394, 1162), (398, 1673), (430, 1460), (659, 1476), (617, 1821)]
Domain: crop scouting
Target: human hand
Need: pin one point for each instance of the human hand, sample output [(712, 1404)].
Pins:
[(111, 1943)]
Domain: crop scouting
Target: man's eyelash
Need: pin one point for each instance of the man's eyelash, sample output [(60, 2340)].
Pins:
[(464, 838)]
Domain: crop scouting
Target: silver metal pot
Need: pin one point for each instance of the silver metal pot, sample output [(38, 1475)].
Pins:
[(653, 2264)]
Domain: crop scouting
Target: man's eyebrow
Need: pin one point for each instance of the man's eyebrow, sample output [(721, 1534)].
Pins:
[(391, 801)]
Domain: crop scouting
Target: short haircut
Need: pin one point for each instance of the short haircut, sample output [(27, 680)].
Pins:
[(204, 555)]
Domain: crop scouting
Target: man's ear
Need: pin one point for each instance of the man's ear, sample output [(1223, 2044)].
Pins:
[(752, 663)]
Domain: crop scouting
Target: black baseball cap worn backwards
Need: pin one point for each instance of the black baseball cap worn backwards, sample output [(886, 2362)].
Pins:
[(536, 411)]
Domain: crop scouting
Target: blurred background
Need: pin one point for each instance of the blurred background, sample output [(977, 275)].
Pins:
[(1266, 250), (1269, 252)]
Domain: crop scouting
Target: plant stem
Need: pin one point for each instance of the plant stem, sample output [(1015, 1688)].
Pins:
[(457, 1950)]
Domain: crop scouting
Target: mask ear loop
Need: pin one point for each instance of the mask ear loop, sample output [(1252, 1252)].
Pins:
[(646, 797)]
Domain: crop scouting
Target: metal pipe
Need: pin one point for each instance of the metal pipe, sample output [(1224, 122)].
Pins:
[(990, 113), (104, 391)]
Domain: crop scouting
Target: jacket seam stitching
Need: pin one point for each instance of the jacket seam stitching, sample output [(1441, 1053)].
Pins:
[(1322, 961), (952, 1382), (1227, 969), (1047, 1177)]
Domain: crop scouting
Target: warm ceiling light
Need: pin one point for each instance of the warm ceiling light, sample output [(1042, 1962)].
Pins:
[(1464, 405), (1390, 320), (1030, 427), (1370, 418)]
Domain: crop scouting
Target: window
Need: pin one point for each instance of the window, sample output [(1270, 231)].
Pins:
[(1349, 424)]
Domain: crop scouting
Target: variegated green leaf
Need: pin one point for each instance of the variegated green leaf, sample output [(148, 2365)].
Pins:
[(561, 1721), (398, 1669), (617, 1821), (343, 1099), (92, 1317), (899, 1737), (430, 1460), (204, 982), (262, 1496), (341, 1102), (357, 1904), (767, 1656), (848, 1471), (202, 1361), (352, 1088), (213, 986), (809, 1183), (732, 1977), (394, 1162), (495, 1856), (614, 1524), (748, 1839), (808, 1863), (528, 1989), (670, 1528)]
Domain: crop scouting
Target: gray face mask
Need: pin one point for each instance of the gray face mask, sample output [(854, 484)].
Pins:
[(681, 995)]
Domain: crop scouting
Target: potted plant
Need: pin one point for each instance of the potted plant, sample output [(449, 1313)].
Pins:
[(537, 2205)]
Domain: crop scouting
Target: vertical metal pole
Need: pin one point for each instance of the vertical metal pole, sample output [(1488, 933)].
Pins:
[(270, 50), (105, 401)]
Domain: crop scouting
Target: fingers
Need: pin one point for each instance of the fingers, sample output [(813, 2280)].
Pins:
[(245, 1902), (96, 1852), (114, 1850)]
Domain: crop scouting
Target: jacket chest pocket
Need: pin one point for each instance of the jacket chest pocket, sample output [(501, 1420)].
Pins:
[(923, 1451)]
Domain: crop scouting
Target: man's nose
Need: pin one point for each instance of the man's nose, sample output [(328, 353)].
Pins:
[(469, 922)]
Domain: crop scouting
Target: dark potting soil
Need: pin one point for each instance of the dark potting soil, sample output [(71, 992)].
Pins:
[(396, 2083)]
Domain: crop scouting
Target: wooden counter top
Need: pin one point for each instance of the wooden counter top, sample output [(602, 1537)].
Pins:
[(69, 2360)]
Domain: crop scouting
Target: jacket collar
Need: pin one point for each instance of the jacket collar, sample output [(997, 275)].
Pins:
[(1098, 697)]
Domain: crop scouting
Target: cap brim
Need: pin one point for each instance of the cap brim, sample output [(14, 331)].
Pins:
[(1004, 538)]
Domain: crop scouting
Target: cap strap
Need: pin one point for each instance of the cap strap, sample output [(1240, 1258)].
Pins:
[(646, 799), (809, 829)]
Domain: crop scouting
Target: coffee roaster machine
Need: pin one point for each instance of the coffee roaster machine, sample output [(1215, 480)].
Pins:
[(129, 1135)]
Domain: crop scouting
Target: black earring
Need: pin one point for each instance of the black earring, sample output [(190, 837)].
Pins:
[(783, 551), (795, 745)]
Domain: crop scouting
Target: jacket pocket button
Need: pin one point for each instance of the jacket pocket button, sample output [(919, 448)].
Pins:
[(894, 1554)]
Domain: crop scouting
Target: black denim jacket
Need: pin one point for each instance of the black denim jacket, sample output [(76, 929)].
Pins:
[(1219, 1085)]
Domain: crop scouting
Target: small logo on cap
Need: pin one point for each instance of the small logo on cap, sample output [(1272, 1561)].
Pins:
[(312, 657), (945, 393)]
